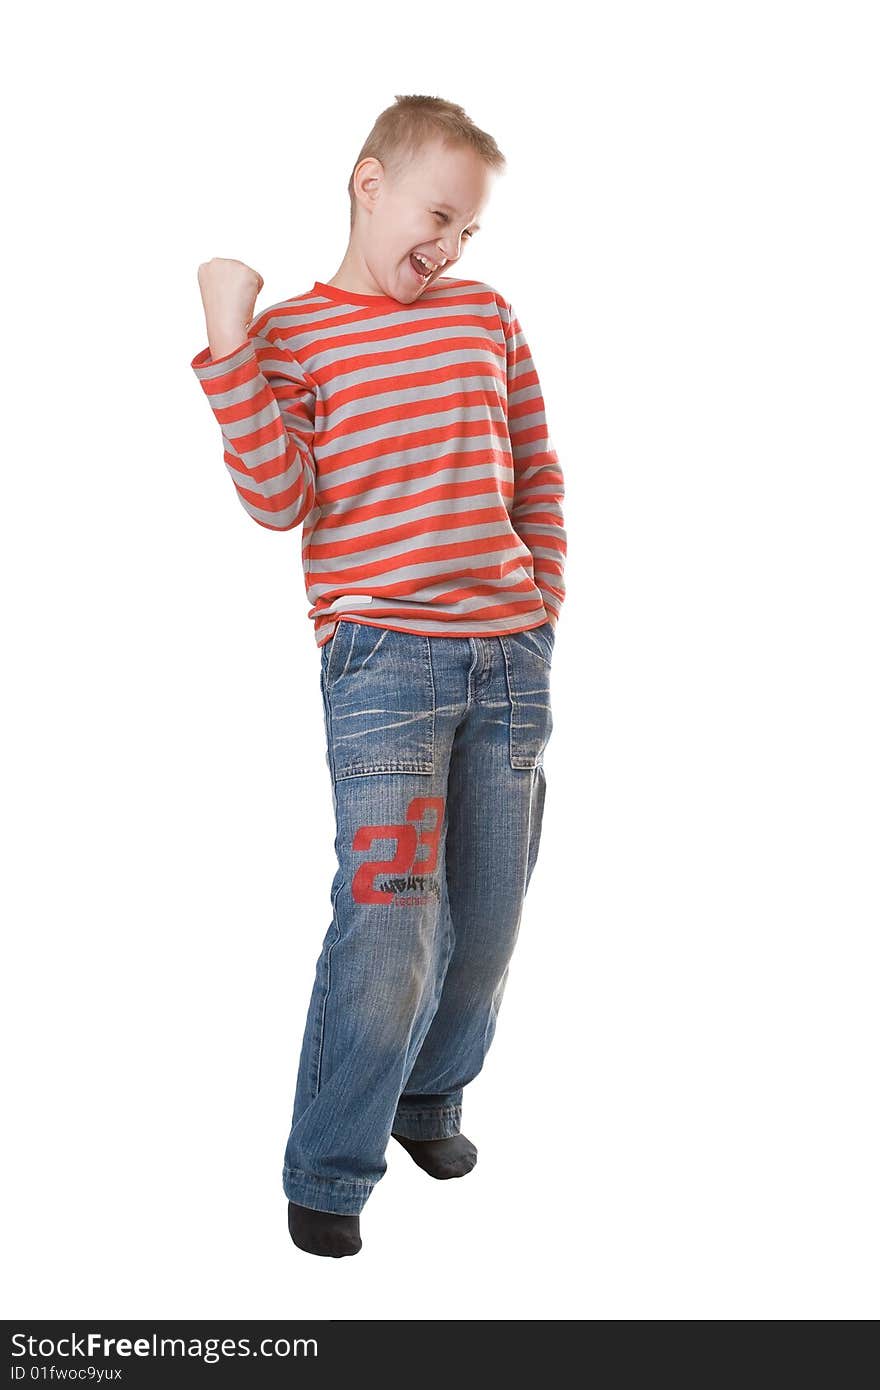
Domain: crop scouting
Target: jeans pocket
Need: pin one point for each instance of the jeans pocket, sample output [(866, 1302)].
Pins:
[(528, 682), (539, 640), (379, 692)]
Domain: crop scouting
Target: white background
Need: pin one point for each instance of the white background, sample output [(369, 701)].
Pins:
[(678, 1118)]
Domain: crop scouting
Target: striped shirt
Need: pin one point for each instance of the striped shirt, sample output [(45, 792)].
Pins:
[(410, 441)]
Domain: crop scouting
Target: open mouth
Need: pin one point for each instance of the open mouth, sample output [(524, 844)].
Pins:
[(422, 272)]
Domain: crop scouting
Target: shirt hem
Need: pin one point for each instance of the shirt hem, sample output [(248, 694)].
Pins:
[(416, 632)]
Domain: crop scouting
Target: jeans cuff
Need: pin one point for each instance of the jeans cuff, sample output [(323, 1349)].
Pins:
[(344, 1196), (428, 1124)]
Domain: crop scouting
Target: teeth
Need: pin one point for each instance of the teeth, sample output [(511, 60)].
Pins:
[(429, 265)]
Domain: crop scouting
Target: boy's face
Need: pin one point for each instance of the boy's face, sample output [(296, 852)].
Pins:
[(432, 208)]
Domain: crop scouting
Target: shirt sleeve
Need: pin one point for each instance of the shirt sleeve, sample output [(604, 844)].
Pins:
[(538, 483), (264, 403)]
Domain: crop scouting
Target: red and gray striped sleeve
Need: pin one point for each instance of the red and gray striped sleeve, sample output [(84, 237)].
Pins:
[(264, 403), (539, 488)]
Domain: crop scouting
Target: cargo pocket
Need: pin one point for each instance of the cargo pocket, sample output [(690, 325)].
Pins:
[(379, 692), (527, 658)]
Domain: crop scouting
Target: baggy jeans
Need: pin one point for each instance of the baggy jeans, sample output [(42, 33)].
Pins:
[(435, 747)]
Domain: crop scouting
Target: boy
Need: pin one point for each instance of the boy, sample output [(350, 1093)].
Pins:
[(396, 413)]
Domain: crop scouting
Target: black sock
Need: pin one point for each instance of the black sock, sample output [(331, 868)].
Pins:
[(323, 1232), (442, 1158)]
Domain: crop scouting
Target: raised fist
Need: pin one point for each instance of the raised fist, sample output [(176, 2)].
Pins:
[(229, 292)]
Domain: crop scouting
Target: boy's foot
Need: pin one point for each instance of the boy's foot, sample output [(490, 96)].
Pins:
[(442, 1158), (323, 1232)]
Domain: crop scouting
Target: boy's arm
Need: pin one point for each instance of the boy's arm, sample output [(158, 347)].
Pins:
[(538, 483), (264, 404)]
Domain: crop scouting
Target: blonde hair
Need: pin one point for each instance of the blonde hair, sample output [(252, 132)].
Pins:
[(402, 130)]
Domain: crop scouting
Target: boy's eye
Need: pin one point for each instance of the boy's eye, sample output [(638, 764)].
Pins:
[(444, 218)]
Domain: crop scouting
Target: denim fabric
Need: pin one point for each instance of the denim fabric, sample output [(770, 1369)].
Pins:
[(435, 748)]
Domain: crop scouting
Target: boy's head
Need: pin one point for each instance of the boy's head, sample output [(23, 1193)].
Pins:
[(419, 184)]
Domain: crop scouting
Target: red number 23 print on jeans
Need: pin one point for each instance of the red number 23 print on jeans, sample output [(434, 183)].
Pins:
[(407, 880)]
